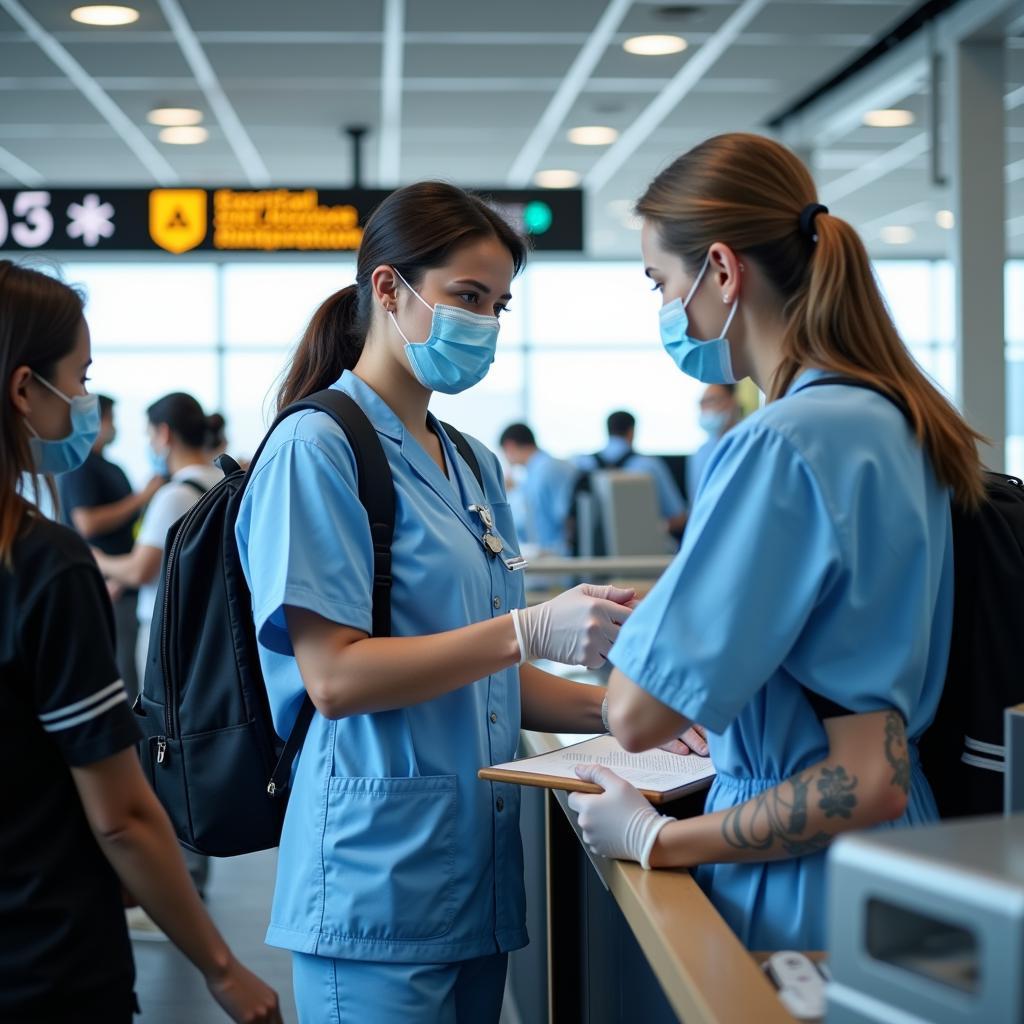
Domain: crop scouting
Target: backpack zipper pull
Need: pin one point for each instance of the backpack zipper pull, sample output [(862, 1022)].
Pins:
[(161, 749)]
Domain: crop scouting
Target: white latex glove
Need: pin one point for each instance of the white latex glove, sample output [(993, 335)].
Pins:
[(575, 628), (619, 822), (693, 741)]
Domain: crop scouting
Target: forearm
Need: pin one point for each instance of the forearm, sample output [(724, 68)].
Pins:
[(553, 704), (384, 673), (103, 519), (146, 856), (799, 816), (131, 570)]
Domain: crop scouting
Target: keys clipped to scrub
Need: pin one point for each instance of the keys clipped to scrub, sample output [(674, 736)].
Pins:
[(492, 542)]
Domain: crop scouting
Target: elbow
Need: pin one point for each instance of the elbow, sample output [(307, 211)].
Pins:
[(326, 698), (891, 802), (117, 826), (626, 728)]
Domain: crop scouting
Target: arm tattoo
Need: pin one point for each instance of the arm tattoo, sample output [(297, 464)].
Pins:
[(778, 813), (836, 788), (896, 750)]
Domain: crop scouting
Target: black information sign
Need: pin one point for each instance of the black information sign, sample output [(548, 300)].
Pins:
[(179, 220)]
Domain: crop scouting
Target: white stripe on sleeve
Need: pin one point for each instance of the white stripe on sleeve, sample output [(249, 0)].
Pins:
[(79, 705), (85, 716)]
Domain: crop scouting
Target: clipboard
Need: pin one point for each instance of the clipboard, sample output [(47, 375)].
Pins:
[(660, 776)]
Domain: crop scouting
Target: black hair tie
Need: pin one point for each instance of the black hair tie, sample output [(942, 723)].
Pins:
[(807, 215)]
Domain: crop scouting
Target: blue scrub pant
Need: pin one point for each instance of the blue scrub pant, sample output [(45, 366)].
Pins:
[(368, 992)]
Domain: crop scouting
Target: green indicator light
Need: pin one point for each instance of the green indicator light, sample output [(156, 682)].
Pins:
[(537, 217)]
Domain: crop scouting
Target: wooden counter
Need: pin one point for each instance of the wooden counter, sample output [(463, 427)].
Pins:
[(705, 973)]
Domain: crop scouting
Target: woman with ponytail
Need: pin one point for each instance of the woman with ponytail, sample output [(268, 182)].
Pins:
[(400, 884), (806, 619)]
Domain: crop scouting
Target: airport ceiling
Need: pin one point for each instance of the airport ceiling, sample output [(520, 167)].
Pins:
[(482, 92)]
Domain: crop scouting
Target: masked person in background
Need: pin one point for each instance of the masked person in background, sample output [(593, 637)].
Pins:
[(81, 822), (719, 411), (400, 876), (98, 501), (806, 619)]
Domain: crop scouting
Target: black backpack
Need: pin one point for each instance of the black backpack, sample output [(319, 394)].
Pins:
[(583, 522), (962, 752), (209, 749)]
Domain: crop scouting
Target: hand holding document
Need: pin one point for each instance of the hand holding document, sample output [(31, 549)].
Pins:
[(659, 775)]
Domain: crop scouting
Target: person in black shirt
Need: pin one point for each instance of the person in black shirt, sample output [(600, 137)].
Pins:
[(97, 500), (78, 820)]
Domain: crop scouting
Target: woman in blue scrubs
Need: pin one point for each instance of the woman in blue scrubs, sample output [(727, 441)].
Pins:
[(806, 619), (399, 885)]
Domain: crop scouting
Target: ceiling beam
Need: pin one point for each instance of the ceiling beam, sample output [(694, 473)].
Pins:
[(672, 95), (590, 54), (148, 155), (876, 168), (231, 125), (19, 170), (389, 153)]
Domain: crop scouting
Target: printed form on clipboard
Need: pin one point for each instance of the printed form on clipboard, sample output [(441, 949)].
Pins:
[(659, 775)]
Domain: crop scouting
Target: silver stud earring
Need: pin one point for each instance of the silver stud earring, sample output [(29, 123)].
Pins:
[(725, 298)]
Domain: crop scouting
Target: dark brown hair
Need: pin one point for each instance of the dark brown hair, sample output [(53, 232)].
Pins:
[(39, 322), (187, 422), (413, 230), (748, 192)]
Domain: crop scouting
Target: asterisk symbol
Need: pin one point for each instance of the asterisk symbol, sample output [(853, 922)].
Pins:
[(90, 220)]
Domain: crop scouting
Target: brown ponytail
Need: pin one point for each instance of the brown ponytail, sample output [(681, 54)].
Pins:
[(332, 342), (749, 192), (413, 230)]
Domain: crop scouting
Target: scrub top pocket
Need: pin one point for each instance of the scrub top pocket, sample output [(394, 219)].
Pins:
[(389, 858)]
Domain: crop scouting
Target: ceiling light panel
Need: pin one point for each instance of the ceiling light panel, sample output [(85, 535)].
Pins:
[(184, 135), (556, 178), (105, 15), (892, 117), (654, 46), (592, 135), (171, 117)]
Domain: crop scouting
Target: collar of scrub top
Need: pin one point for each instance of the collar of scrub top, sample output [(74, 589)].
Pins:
[(458, 494), (804, 377)]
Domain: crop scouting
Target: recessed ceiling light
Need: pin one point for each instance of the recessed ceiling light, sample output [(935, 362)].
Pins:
[(654, 46), (592, 135), (891, 118), (184, 135), (105, 14), (897, 234), (945, 219), (174, 117), (556, 178)]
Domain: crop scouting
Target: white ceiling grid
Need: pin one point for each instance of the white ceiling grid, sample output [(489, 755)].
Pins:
[(451, 88)]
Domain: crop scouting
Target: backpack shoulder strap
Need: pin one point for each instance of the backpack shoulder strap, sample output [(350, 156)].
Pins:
[(377, 493), (463, 447), (856, 382)]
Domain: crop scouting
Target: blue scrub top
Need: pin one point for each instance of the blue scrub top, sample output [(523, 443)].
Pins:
[(818, 554), (670, 500), (697, 463), (392, 849), (547, 493)]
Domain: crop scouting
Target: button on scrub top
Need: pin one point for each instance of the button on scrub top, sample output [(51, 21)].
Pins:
[(818, 554), (392, 849)]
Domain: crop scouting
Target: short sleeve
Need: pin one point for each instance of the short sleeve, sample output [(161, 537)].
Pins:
[(67, 640), (306, 540), (169, 504), (79, 488), (759, 553)]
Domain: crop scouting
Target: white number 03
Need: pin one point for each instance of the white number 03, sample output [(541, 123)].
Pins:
[(35, 228)]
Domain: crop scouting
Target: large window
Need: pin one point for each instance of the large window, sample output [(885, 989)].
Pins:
[(580, 340)]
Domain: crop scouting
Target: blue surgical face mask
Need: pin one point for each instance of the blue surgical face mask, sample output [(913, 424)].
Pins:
[(713, 423), (157, 462), (459, 350), (708, 361), (69, 452)]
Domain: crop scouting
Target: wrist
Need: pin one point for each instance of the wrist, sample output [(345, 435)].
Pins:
[(218, 965), (517, 648)]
